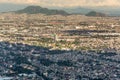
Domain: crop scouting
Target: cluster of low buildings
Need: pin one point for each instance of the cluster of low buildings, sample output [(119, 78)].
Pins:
[(89, 32)]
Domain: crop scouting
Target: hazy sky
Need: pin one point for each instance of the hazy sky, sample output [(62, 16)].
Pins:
[(66, 3)]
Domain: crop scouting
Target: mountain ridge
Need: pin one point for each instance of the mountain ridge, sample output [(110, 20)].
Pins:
[(112, 11), (96, 14), (38, 9)]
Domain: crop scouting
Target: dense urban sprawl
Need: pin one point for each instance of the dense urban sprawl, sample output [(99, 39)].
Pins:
[(55, 47)]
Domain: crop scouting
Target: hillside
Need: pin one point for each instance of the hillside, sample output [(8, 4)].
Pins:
[(77, 10), (38, 9), (96, 14), (111, 11)]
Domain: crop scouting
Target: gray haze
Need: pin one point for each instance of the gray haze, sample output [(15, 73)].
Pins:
[(5, 7)]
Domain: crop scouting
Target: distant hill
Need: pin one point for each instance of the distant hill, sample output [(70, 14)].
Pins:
[(77, 10), (111, 11), (38, 9), (96, 14)]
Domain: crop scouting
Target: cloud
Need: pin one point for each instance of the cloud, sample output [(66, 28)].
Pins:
[(66, 3), (20, 1)]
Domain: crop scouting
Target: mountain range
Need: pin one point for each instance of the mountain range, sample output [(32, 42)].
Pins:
[(38, 9), (96, 14), (112, 11)]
